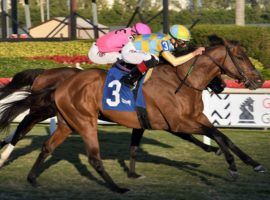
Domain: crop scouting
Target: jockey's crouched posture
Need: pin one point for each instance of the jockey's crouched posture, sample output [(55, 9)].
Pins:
[(107, 48), (145, 50)]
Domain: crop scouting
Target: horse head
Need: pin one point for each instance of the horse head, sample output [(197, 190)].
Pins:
[(237, 65)]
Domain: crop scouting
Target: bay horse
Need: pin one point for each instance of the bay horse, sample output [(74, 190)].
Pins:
[(78, 101), (41, 108), (29, 81)]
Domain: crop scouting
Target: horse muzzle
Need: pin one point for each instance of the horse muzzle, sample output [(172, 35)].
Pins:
[(254, 84)]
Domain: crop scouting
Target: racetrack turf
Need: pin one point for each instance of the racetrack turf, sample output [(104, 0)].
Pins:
[(173, 168)]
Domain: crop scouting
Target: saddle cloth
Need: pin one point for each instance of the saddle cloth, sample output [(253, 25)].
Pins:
[(120, 97)]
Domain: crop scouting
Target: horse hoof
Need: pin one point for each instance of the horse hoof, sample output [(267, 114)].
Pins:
[(135, 176), (259, 169), (2, 163), (121, 190), (2, 144), (218, 152), (32, 181), (234, 174)]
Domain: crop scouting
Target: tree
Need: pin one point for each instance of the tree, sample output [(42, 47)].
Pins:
[(240, 12)]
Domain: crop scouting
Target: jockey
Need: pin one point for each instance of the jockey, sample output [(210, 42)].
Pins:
[(145, 50), (107, 48)]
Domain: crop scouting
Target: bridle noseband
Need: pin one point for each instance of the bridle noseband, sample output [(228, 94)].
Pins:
[(243, 79)]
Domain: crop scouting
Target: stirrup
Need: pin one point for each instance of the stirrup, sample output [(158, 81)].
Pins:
[(129, 85)]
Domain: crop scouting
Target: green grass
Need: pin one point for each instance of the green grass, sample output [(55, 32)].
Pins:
[(173, 168)]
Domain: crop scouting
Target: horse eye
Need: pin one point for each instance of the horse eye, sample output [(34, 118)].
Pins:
[(240, 57), (243, 49)]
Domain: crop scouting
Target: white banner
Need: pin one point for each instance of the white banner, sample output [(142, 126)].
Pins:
[(238, 110)]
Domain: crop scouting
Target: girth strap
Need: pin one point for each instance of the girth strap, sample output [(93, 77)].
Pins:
[(141, 112)]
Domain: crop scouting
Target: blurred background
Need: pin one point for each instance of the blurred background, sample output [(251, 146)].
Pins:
[(79, 22)]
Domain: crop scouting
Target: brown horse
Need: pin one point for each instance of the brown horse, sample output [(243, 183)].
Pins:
[(42, 108), (32, 81), (79, 102)]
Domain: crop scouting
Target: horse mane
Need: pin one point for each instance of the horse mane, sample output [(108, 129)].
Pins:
[(215, 40)]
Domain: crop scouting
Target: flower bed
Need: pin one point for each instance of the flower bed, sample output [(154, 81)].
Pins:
[(235, 84), (64, 59)]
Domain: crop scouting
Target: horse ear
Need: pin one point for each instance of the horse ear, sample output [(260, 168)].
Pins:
[(215, 40), (226, 42)]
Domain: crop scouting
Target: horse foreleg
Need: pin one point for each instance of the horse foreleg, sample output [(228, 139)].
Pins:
[(134, 144), (205, 147), (89, 136), (57, 138), (242, 155)]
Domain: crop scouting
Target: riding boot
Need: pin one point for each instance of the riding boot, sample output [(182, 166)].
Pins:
[(137, 72), (131, 78)]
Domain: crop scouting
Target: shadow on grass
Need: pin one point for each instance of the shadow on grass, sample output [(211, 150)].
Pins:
[(113, 146)]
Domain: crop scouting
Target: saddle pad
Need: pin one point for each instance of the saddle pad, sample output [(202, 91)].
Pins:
[(120, 97)]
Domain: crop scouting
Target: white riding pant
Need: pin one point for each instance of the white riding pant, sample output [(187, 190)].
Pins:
[(133, 56), (102, 58)]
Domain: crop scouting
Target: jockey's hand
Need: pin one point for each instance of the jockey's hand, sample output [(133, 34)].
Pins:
[(198, 51), (152, 62)]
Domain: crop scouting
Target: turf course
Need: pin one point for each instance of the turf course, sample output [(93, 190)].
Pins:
[(173, 168)]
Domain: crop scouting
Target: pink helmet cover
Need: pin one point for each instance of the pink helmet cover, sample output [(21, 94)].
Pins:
[(141, 28)]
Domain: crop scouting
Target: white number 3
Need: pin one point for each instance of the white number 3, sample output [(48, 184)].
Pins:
[(114, 102)]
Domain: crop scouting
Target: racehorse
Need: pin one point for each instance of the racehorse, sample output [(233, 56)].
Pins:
[(78, 101), (36, 80), (30, 81)]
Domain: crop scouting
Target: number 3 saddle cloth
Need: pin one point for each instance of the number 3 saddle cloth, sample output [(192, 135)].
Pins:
[(120, 97)]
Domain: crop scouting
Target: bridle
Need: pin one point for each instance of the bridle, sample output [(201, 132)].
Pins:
[(243, 78)]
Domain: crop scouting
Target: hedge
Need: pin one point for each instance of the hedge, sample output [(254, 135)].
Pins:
[(255, 39), (32, 49)]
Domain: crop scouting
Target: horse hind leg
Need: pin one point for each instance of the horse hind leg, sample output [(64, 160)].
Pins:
[(57, 138), (22, 129), (212, 133)]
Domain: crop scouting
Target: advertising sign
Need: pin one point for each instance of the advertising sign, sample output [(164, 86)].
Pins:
[(238, 110)]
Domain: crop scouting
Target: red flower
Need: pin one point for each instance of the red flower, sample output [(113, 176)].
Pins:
[(65, 59)]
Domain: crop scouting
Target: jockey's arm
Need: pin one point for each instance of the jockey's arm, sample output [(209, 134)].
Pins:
[(175, 61)]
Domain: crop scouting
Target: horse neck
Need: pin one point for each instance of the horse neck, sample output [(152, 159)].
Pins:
[(204, 69)]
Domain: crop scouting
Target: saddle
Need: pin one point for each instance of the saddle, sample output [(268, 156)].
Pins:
[(126, 67)]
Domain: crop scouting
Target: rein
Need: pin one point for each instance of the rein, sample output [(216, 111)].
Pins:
[(221, 66), (240, 71), (183, 82)]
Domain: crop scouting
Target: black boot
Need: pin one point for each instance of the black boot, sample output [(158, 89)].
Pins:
[(131, 78)]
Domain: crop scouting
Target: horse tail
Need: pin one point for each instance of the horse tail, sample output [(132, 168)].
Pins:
[(39, 99), (20, 80)]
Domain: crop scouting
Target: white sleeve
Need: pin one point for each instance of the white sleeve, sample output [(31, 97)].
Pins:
[(133, 56)]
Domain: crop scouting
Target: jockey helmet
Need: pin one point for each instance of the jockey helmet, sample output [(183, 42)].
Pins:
[(141, 28), (180, 32)]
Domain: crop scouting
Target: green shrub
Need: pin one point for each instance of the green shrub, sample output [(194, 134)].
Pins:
[(255, 39)]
